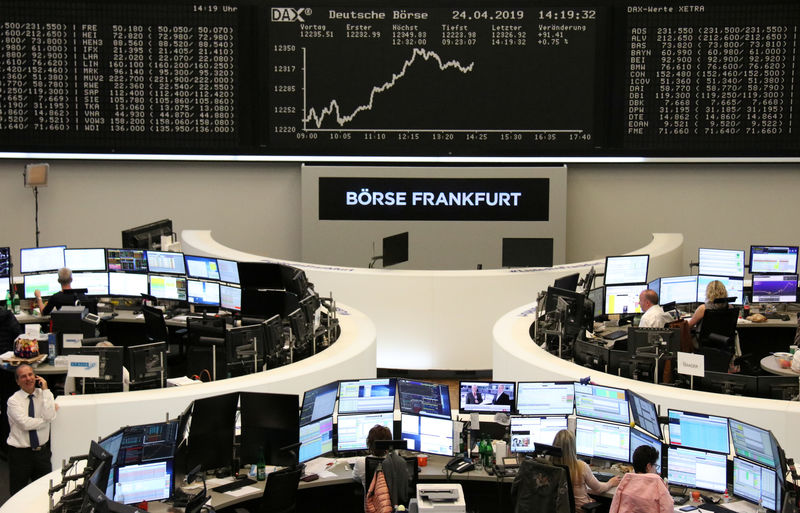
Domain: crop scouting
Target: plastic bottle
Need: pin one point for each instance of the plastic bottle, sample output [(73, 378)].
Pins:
[(746, 308), (261, 470), (9, 306), (489, 454), (15, 303)]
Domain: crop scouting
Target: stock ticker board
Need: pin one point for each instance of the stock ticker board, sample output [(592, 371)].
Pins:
[(603, 78)]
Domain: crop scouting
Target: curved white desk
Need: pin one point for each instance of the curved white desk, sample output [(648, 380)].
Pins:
[(516, 357), (437, 319)]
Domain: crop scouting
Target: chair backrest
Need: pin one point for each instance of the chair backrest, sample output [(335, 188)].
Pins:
[(541, 486), (718, 322), (155, 327), (412, 468), (716, 360), (280, 492)]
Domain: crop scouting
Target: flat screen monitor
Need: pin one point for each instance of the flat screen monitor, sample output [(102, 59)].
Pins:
[(774, 288), (569, 282), (127, 260), (696, 469), (37, 260), (124, 284), (721, 262), (680, 289), (228, 271), (110, 365), (754, 443), (144, 443), (545, 398), (318, 403), (244, 348), (203, 292), (645, 414), (367, 395), (734, 286), (147, 362), (211, 432), (597, 297), (698, 431), (668, 339), (655, 286), (590, 354), (4, 284), (5, 262), (773, 259), (316, 439), (152, 481), (603, 403), (147, 236), (352, 430), (395, 249), (755, 483), (89, 259), (486, 396), (166, 262), (230, 298), (205, 268), (727, 383), (423, 398), (168, 287), (95, 283), (427, 434), (270, 422), (623, 299), (638, 439), (261, 275), (46, 283), (526, 432), (778, 387), (602, 440), (621, 270)]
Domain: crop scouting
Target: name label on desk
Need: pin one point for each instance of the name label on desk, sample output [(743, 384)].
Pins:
[(691, 364), (83, 366)]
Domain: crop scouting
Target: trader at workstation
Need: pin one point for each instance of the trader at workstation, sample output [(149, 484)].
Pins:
[(643, 491), (59, 299), (654, 316), (31, 409), (714, 290)]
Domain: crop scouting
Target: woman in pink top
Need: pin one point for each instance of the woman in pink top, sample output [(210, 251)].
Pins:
[(579, 472), (644, 491)]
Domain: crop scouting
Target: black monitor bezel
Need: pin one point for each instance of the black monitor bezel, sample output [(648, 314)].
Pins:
[(646, 271), (511, 409), (212, 282), (661, 286), (147, 281), (756, 276), (108, 266), (605, 296), (518, 416), (150, 277), (605, 422), (228, 308), (624, 390), (659, 436), (339, 450), (205, 278), (419, 424), (392, 384), (422, 413), (75, 269), (727, 431), (678, 447), (519, 386), (25, 279), (699, 271), (306, 398), (175, 253), (772, 440), (796, 255), (23, 271)]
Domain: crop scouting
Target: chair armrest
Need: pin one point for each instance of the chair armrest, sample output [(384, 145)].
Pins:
[(594, 507)]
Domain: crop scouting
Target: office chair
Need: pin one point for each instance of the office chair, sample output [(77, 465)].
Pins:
[(205, 348), (718, 329), (155, 330), (412, 470), (716, 360), (540, 486), (280, 492)]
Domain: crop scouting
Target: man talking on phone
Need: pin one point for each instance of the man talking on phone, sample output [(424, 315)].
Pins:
[(31, 409)]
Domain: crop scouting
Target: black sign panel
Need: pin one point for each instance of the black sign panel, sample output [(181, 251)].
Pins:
[(434, 199)]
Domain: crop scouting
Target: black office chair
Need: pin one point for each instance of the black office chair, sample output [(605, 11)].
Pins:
[(205, 347), (718, 329), (156, 330), (540, 486), (280, 492), (412, 471), (716, 360)]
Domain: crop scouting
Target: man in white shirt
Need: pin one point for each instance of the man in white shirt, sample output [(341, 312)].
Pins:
[(654, 316), (31, 409)]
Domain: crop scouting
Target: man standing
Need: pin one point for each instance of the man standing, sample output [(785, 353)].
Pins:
[(30, 411), (654, 316)]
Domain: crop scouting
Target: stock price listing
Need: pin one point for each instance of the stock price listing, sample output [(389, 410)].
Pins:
[(433, 81)]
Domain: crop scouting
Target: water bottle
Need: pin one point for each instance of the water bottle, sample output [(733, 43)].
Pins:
[(15, 303), (489, 454), (9, 306), (261, 467)]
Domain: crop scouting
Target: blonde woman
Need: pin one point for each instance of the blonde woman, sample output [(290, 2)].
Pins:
[(714, 290), (579, 472)]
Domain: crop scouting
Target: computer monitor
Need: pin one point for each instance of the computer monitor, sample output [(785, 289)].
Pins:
[(754, 443), (423, 398), (89, 259), (665, 339), (126, 284), (603, 403), (5, 262), (732, 384), (590, 354), (596, 296), (367, 395), (270, 422), (95, 283), (110, 369), (46, 283), (626, 269), (602, 440), (167, 287), (316, 439), (773, 259), (230, 298), (568, 282), (526, 432), (211, 433), (721, 262), (127, 260), (4, 286), (147, 364), (99, 464), (545, 398), (395, 249), (486, 396), (638, 439), (294, 280), (352, 430), (698, 431), (778, 387), (147, 236), (318, 402), (244, 347), (734, 286), (205, 268), (427, 434), (260, 275), (151, 481), (203, 293), (623, 299), (577, 315), (166, 262), (696, 469), (274, 341), (302, 336), (655, 286), (774, 288), (680, 289), (228, 271), (37, 260), (755, 483), (645, 414)]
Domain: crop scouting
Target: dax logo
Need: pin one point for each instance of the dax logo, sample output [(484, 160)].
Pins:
[(289, 14)]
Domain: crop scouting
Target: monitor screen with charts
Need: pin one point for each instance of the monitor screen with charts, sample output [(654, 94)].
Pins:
[(125, 284), (603, 403), (367, 395), (755, 483), (721, 262), (36, 260), (734, 286), (774, 288), (526, 432), (228, 271), (602, 440), (230, 298), (205, 268), (168, 287), (46, 283), (626, 269), (623, 299), (5, 262), (316, 439), (773, 259), (204, 293), (96, 284), (352, 430), (753, 443), (90, 259), (423, 398), (596, 296), (645, 414), (486, 396), (680, 289), (127, 260), (696, 469), (638, 438), (318, 403), (698, 431), (427, 434), (165, 262), (545, 398)]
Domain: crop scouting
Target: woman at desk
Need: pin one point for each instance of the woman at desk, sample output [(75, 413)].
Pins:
[(714, 290), (378, 432), (643, 491), (579, 472)]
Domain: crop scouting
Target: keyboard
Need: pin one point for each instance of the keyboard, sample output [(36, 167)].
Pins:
[(614, 335), (234, 485), (603, 477), (713, 507), (782, 317)]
